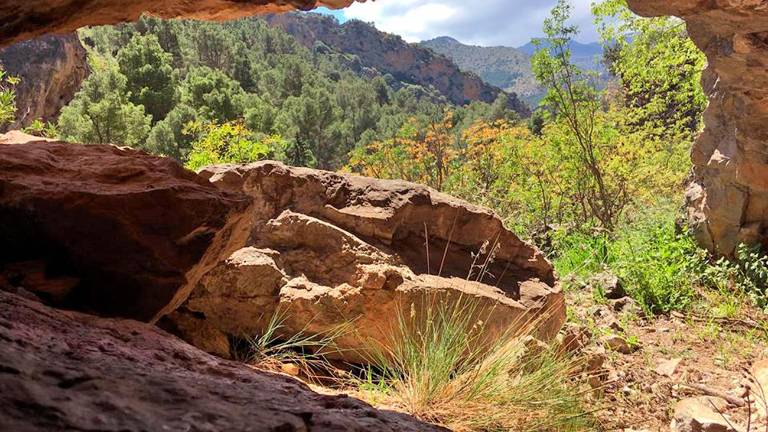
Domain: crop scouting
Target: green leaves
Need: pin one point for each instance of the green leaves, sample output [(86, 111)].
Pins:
[(101, 112), (147, 68), (226, 143), (7, 97)]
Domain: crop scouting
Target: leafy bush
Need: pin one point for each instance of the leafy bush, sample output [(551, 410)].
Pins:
[(226, 143), (42, 129), (7, 96), (439, 366), (658, 266), (747, 274)]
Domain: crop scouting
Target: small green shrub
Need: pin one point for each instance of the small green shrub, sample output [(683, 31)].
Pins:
[(658, 266), (7, 96), (42, 129), (226, 143), (578, 255), (747, 274)]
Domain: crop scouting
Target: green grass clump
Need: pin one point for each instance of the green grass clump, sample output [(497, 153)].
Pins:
[(658, 265), (440, 366), (746, 274), (661, 266), (271, 348)]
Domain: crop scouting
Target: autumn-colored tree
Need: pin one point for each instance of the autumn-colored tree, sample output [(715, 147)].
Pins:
[(421, 153)]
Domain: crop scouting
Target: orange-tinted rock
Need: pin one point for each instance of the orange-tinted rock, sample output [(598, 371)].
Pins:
[(728, 198), (21, 20), (116, 230), (327, 249), (51, 69), (69, 371)]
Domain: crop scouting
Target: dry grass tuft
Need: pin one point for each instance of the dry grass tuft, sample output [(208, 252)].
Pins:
[(440, 367)]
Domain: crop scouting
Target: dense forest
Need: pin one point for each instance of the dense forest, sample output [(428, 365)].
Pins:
[(181, 88)]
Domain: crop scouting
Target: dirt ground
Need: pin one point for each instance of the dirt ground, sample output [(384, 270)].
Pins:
[(714, 344)]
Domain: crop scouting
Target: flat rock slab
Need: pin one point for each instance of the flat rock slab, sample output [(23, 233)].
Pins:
[(70, 371)]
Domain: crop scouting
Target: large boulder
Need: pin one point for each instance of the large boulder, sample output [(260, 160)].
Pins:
[(69, 371), (103, 229), (728, 196), (324, 249)]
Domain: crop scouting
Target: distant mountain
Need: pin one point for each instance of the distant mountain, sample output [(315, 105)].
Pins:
[(391, 55), (510, 68), (504, 67), (586, 56)]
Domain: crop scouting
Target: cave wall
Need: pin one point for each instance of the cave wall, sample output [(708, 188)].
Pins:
[(51, 69), (22, 20), (727, 196)]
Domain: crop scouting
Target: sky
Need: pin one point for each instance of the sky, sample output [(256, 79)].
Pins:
[(475, 22)]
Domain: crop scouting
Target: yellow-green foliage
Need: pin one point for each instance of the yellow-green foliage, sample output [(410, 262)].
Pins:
[(598, 154), (7, 97), (226, 143)]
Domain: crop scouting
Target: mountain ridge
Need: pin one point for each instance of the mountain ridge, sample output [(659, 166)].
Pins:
[(390, 54), (507, 67)]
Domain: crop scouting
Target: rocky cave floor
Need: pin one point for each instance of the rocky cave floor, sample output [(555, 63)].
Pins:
[(668, 370), (713, 351), (676, 372)]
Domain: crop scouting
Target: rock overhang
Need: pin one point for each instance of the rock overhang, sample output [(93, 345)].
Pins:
[(21, 20)]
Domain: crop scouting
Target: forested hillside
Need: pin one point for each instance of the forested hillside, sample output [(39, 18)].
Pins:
[(164, 85), (390, 54), (510, 68), (504, 67)]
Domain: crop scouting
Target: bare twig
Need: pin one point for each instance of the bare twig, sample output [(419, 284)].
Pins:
[(709, 391)]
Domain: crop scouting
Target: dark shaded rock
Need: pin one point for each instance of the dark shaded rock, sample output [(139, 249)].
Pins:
[(21, 20), (66, 371), (607, 284), (122, 228)]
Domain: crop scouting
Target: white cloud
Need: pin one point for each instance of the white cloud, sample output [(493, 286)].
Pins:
[(481, 22)]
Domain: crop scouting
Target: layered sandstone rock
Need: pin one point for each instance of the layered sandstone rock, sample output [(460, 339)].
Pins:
[(21, 20), (69, 371), (121, 233), (51, 69), (103, 229), (728, 197), (324, 249)]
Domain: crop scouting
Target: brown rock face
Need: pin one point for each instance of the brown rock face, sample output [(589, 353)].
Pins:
[(104, 229), (21, 20), (51, 69), (68, 371), (327, 249), (728, 197)]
